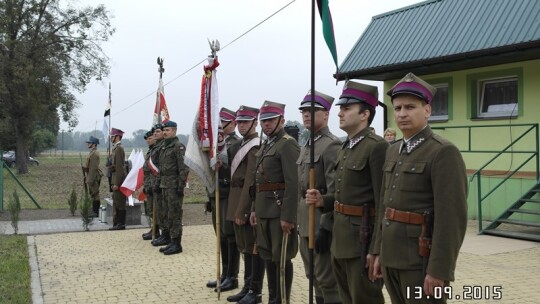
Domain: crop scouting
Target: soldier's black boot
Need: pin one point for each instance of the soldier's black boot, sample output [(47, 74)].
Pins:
[(175, 247), (224, 263), (95, 207), (289, 273), (254, 295), (148, 235), (247, 280), (163, 240), (229, 283), (273, 279), (234, 267), (251, 298), (120, 220), (115, 219), (319, 300)]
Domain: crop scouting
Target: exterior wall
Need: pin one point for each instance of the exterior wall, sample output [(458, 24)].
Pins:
[(461, 112)]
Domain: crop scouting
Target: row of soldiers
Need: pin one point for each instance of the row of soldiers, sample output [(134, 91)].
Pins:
[(394, 211)]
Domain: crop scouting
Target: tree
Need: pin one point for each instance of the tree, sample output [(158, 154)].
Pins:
[(47, 48)]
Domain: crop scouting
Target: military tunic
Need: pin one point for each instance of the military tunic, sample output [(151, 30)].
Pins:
[(276, 164), (148, 181), (358, 182), (326, 149), (429, 174), (118, 175), (173, 174), (93, 178), (240, 201)]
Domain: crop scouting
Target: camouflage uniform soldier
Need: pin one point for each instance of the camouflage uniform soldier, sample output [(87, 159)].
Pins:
[(150, 175), (276, 201), (243, 158), (93, 174), (161, 206), (118, 172), (425, 189), (173, 175), (326, 149), (230, 257), (358, 183)]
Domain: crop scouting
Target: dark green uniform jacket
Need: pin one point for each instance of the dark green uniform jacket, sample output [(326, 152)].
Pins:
[(172, 171)]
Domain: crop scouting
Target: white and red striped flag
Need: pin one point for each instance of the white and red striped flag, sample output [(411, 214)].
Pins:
[(161, 113), (201, 148), (134, 179)]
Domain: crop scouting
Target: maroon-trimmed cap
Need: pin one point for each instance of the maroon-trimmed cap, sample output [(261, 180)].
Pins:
[(322, 101), (271, 109), (413, 85), (226, 114), (355, 92), (116, 132), (246, 113)]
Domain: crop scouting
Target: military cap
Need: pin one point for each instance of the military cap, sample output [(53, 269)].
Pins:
[(116, 132), (157, 126), (321, 101), (227, 115), (271, 109), (148, 134), (355, 92), (169, 124), (413, 85), (246, 113), (93, 140)]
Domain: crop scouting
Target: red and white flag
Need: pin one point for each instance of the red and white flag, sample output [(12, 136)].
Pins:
[(161, 113), (201, 154), (134, 179)]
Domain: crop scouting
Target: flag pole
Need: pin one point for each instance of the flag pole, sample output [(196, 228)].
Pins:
[(311, 223), (109, 126), (158, 101)]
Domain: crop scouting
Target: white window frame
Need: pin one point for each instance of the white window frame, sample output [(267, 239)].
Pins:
[(438, 86), (507, 110)]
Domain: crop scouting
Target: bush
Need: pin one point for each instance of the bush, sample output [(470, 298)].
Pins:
[(72, 201), (14, 208), (86, 211)]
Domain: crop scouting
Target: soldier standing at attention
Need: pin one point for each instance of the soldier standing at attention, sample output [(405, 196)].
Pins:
[(173, 174), (243, 158), (358, 183), (118, 174), (164, 237), (276, 201), (424, 201), (327, 146), (230, 257), (149, 177), (93, 174)]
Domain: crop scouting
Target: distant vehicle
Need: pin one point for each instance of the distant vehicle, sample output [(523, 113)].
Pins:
[(9, 158)]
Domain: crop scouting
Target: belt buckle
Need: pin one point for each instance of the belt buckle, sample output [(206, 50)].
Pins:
[(337, 206), (389, 213)]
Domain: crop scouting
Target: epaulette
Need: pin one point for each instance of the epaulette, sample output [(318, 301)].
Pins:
[(287, 136), (440, 139)]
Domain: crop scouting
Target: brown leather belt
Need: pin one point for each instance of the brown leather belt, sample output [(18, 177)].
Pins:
[(352, 210), (403, 216), (270, 187)]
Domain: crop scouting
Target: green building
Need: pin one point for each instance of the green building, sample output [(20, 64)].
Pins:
[(484, 58)]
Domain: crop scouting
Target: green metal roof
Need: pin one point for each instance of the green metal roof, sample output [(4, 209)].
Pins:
[(445, 35)]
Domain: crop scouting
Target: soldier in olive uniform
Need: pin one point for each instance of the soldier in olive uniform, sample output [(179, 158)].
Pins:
[(118, 174), (243, 158), (148, 180), (93, 174), (326, 149), (172, 181), (424, 182), (230, 257), (358, 182), (161, 206), (276, 201)]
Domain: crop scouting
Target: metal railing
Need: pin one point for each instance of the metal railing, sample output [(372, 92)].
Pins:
[(478, 173)]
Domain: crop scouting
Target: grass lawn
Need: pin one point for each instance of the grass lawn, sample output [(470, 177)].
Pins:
[(14, 270), (51, 182)]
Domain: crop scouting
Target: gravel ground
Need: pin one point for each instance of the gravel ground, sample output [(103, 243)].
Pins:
[(193, 215)]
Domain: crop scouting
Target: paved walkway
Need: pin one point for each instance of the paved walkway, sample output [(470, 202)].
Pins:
[(118, 267)]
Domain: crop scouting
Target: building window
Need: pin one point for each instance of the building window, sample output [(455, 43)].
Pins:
[(498, 97), (439, 104)]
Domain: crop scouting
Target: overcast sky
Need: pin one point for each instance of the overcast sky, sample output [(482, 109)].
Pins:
[(272, 62)]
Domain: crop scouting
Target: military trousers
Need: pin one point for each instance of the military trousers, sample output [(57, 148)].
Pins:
[(119, 200), (226, 227), (93, 190), (162, 211), (353, 283), (324, 281), (175, 212), (245, 237), (407, 286), (270, 238)]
